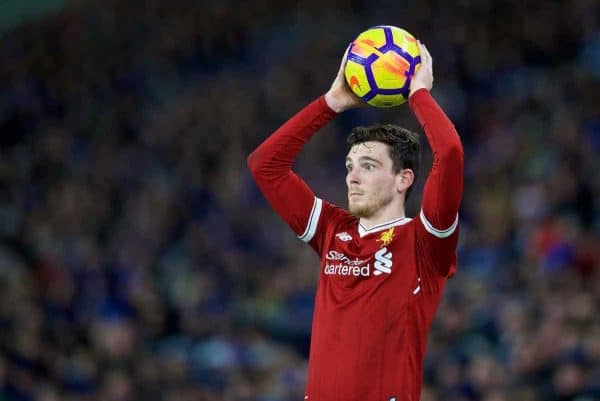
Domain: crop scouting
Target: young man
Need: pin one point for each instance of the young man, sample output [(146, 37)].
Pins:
[(382, 273)]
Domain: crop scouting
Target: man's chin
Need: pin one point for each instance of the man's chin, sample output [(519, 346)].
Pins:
[(360, 210)]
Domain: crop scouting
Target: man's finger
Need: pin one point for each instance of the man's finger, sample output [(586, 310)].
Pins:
[(425, 56), (345, 57)]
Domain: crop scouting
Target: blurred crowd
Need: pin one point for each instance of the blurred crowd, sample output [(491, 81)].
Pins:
[(138, 261)]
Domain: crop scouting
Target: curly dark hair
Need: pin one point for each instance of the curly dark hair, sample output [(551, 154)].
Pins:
[(404, 145)]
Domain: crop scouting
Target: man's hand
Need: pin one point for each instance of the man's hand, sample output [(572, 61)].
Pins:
[(340, 97), (424, 77)]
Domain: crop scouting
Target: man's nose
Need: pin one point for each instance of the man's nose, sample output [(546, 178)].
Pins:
[(353, 177)]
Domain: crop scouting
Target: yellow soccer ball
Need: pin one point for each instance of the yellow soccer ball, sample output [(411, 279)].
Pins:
[(380, 64)]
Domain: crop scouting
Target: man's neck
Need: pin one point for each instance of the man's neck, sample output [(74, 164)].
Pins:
[(385, 215)]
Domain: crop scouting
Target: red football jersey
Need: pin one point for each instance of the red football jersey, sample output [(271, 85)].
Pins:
[(377, 294), (379, 287)]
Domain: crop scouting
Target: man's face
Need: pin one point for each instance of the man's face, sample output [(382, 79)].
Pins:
[(370, 179)]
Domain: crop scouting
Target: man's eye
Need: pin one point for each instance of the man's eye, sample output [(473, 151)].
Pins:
[(348, 167), (369, 166)]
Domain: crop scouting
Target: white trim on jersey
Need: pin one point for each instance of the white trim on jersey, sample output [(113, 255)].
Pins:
[(434, 231), (362, 230), (313, 220)]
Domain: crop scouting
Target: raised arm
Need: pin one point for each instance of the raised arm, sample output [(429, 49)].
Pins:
[(443, 189), (271, 163)]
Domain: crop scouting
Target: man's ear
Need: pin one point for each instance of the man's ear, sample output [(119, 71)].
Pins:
[(404, 179)]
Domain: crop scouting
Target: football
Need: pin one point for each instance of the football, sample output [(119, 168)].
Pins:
[(380, 64)]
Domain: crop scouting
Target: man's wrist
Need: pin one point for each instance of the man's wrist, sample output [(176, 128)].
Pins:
[(416, 89), (332, 103)]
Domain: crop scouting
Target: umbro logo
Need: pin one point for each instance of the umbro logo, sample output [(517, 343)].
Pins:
[(344, 236)]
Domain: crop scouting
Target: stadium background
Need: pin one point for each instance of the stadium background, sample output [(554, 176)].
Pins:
[(138, 261)]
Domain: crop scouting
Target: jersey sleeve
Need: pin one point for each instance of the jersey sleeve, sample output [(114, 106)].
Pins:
[(271, 166), (323, 220), (437, 223)]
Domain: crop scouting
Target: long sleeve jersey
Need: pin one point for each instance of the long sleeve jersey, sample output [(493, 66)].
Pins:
[(378, 287)]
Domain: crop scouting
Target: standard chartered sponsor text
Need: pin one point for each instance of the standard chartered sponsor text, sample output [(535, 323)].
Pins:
[(335, 255), (346, 266), (345, 270)]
